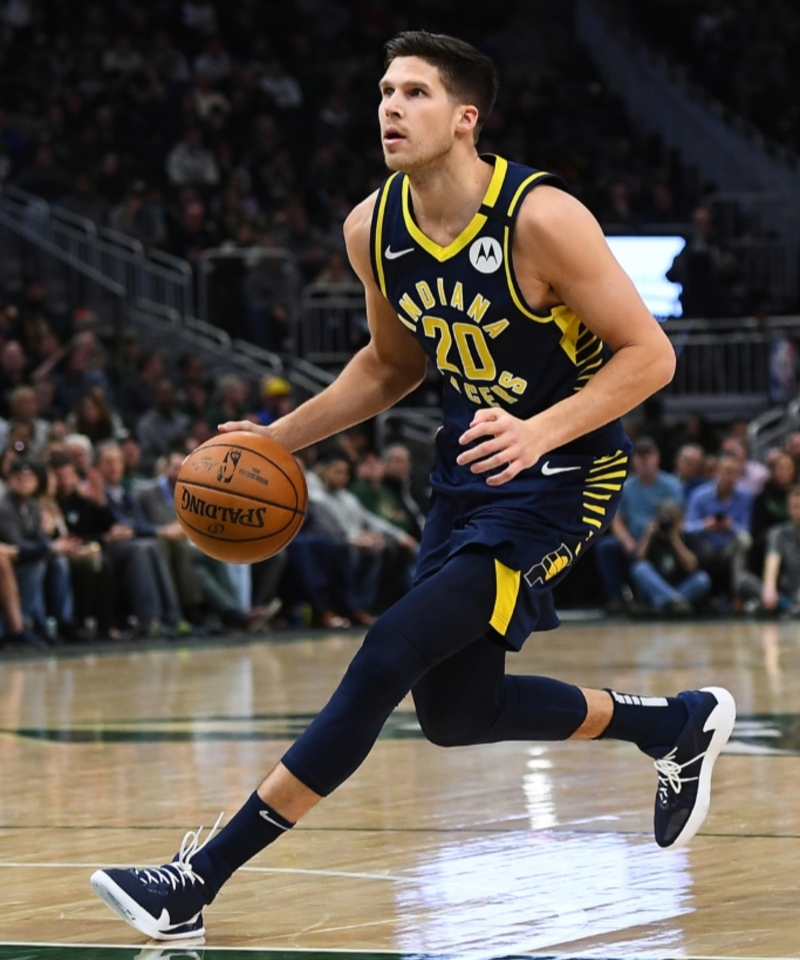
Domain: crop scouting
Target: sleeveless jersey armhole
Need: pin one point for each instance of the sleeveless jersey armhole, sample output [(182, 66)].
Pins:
[(376, 235), (533, 181)]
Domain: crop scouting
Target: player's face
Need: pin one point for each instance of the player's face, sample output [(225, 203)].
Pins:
[(417, 116)]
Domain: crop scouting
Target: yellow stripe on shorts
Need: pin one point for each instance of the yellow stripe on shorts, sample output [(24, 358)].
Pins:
[(505, 598)]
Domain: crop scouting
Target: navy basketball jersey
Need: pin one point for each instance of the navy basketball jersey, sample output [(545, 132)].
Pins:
[(464, 305)]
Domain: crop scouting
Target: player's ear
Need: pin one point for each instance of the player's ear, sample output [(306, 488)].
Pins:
[(466, 118)]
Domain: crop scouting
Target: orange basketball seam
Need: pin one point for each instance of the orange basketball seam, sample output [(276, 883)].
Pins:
[(243, 496)]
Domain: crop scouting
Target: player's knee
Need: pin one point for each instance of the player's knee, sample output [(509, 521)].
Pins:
[(446, 727), (386, 666)]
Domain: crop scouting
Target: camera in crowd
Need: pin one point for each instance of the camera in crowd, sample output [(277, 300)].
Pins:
[(668, 516)]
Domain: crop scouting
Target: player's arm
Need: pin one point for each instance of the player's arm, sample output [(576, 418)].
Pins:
[(391, 365), (560, 244)]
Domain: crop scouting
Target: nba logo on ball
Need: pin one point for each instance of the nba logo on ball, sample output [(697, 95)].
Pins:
[(241, 497), (486, 255)]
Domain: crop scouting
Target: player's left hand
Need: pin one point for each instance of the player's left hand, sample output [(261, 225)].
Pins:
[(511, 443)]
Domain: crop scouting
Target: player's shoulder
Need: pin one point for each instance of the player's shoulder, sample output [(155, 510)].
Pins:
[(548, 208), (357, 229), (358, 223)]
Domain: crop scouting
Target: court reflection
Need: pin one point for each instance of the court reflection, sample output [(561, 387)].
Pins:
[(524, 891)]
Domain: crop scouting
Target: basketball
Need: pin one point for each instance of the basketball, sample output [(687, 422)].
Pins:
[(241, 497)]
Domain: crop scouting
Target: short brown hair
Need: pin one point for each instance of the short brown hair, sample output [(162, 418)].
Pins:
[(468, 75)]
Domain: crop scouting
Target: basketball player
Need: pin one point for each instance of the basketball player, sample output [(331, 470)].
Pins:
[(495, 273)]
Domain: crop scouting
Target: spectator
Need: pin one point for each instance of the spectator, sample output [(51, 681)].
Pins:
[(753, 474), (87, 518), (792, 446), (309, 246), (82, 369), (780, 588), (131, 545), (705, 271), (383, 501), (42, 569), (7, 457), (46, 178), (45, 391), (718, 521), (81, 452), (269, 290), (230, 401), (689, 467), (397, 479), (15, 634), (92, 417), (666, 572), (215, 63), (134, 474), (281, 87), (159, 428), (85, 201), (208, 100), (641, 495), (135, 396), (24, 409), (121, 59), (190, 164), (276, 399), (194, 233), (13, 364), (341, 515), (155, 503), (137, 218), (770, 507)]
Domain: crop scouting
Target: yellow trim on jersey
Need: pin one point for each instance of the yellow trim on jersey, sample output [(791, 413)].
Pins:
[(507, 253), (608, 476), (379, 235), (472, 229), (607, 462), (505, 598)]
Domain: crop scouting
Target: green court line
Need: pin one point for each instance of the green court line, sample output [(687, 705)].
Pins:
[(23, 951), (766, 734)]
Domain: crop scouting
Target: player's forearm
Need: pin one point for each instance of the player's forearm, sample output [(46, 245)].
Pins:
[(632, 375), (365, 388)]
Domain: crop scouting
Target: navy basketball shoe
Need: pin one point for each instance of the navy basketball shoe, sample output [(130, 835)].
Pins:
[(684, 774), (164, 903)]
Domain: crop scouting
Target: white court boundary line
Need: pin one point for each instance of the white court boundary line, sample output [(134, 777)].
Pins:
[(295, 870), (188, 945)]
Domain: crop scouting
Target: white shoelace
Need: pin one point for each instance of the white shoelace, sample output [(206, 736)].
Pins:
[(669, 772), (180, 870)]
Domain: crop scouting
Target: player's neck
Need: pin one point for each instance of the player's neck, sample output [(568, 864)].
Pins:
[(446, 195)]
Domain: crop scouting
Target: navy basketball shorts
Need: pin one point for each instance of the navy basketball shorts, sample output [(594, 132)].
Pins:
[(535, 531)]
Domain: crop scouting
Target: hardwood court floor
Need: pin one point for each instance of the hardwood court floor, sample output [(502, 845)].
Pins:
[(505, 850)]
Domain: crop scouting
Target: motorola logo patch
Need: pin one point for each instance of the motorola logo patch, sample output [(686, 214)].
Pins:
[(486, 255)]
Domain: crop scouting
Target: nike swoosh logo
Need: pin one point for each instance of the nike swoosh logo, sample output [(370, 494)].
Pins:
[(549, 471), (265, 815), (164, 924), (394, 254)]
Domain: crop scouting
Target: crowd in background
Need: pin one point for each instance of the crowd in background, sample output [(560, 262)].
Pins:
[(716, 531), (746, 54), (194, 125), (92, 441)]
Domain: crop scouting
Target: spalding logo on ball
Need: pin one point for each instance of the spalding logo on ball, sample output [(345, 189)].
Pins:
[(241, 497)]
